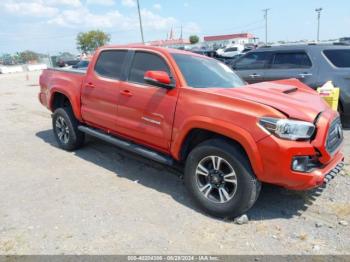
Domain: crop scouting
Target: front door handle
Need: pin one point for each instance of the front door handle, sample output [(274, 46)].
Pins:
[(254, 75), (303, 75), (126, 93)]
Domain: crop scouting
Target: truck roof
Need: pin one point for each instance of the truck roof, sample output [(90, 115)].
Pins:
[(303, 46), (153, 48)]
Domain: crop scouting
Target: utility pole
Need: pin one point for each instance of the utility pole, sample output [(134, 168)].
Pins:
[(265, 16), (140, 19), (318, 11)]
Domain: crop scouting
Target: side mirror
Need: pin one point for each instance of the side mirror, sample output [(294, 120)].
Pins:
[(158, 78)]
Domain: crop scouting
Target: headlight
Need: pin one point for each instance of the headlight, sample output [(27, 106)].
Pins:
[(288, 129)]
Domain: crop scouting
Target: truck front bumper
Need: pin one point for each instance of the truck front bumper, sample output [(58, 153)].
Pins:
[(277, 156)]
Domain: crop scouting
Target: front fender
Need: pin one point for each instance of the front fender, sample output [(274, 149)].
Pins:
[(234, 132)]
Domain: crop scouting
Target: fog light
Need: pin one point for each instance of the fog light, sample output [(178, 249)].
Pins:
[(304, 163)]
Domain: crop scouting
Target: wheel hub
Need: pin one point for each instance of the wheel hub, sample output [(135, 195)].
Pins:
[(216, 177)]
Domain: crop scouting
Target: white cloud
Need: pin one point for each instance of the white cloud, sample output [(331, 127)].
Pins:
[(157, 7), (83, 17), (191, 28), (129, 3), (154, 21), (77, 14), (100, 2), (36, 9), (73, 3)]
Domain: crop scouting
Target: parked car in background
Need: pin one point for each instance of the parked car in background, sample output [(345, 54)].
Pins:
[(229, 60), (313, 64), (204, 51), (64, 63), (230, 51), (83, 64), (193, 112), (345, 40)]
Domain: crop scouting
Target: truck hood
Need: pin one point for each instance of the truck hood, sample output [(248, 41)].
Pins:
[(291, 97)]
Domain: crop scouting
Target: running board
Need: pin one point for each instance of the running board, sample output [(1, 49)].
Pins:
[(132, 147)]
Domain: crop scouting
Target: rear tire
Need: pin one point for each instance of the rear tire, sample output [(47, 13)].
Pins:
[(222, 167), (65, 128)]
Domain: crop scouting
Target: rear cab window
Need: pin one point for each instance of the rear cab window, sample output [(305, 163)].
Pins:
[(143, 62), (338, 57), (253, 60), (290, 60), (110, 63)]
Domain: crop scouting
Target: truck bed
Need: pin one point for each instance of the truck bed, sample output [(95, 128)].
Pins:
[(53, 78)]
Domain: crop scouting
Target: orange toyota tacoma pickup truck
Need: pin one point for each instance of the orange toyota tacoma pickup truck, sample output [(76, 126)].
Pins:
[(188, 110)]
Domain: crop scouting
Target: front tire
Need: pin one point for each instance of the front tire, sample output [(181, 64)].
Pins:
[(65, 128), (219, 177)]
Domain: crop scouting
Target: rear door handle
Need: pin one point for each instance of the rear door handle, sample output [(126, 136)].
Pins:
[(254, 75), (302, 75), (126, 93), (90, 85)]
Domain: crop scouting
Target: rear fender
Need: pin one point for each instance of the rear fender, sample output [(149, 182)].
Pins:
[(73, 100)]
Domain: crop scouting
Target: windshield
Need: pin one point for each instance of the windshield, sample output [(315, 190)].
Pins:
[(201, 72)]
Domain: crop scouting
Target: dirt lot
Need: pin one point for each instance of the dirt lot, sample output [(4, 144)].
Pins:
[(100, 200)]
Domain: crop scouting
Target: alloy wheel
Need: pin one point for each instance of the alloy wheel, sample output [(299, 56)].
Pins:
[(216, 179), (62, 130)]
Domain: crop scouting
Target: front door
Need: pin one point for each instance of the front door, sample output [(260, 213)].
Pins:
[(146, 112), (252, 66)]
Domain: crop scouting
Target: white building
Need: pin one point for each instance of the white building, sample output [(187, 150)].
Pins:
[(224, 40)]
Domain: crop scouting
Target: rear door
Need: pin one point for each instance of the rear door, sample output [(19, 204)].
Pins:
[(100, 93), (292, 64), (252, 66), (146, 112)]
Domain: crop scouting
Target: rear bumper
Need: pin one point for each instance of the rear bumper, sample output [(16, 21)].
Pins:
[(42, 99)]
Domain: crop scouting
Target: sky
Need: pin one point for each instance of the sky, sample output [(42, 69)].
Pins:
[(51, 26)]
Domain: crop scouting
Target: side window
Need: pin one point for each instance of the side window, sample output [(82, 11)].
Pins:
[(110, 63), (253, 60), (291, 60), (143, 62), (339, 57), (231, 49)]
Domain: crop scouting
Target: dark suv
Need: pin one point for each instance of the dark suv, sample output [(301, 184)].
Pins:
[(312, 64)]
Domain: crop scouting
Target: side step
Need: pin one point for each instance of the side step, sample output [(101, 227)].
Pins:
[(127, 145)]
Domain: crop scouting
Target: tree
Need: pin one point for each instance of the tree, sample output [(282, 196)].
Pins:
[(194, 39), (89, 41), (28, 56), (6, 59)]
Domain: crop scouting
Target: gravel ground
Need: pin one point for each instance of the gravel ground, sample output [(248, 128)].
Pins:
[(100, 200)]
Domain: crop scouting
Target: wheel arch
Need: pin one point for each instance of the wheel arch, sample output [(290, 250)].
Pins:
[(200, 131), (60, 98)]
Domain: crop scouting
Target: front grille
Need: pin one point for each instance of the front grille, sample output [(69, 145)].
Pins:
[(335, 136)]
